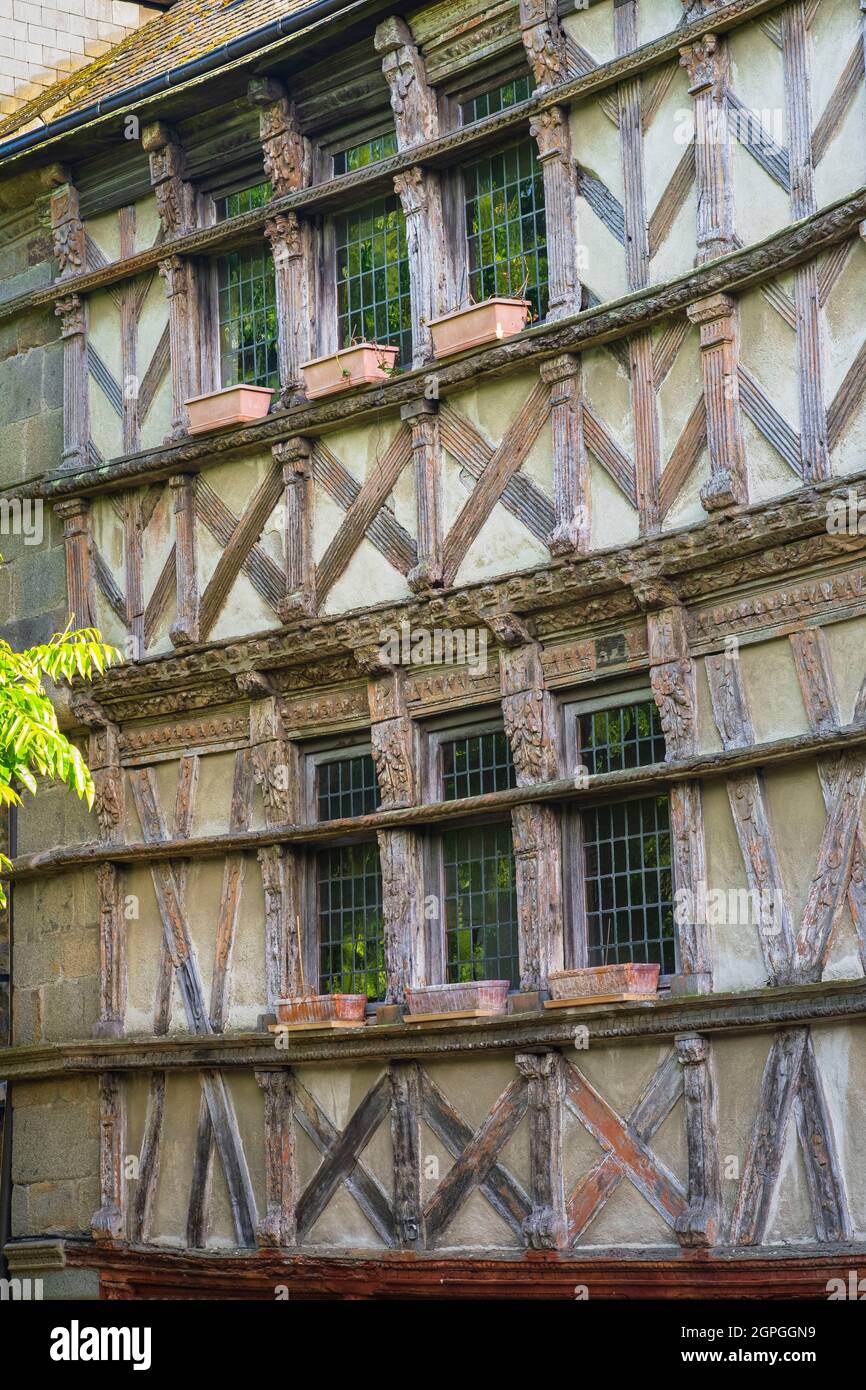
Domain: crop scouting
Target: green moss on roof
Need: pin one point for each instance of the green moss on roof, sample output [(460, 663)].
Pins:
[(189, 30)]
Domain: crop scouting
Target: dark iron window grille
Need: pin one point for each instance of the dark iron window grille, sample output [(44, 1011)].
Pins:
[(480, 904), (349, 886), (373, 295), (611, 740), (475, 764)]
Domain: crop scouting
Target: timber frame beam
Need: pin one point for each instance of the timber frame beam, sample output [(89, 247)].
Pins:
[(746, 1011)]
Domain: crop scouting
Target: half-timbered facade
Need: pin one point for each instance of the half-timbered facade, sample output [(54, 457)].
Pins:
[(546, 655)]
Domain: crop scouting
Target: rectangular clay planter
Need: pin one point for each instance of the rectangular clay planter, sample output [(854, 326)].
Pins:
[(487, 995), (359, 365), (480, 323), (322, 1008), (233, 405), (627, 978)]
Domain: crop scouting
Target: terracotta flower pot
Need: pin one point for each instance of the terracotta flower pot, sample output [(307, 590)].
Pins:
[(233, 405), (359, 365), (627, 978), (490, 995), (480, 323), (321, 1008)]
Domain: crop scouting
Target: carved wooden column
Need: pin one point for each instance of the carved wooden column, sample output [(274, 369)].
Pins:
[(707, 64), (547, 1226), (672, 675), (544, 42), (423, 420), (529, 716), (718, 321), (278, 1226), (67, 228), (701, 1222), (416, 120), (295, 457), (72, 312), (288, 165), (551, 132), (80, 587), (176, 204), (570, 460), (109, 1221), (276, 771), (406, 1114), (400, 851), (185, 628)]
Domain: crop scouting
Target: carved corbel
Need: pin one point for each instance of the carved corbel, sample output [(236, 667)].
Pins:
[(546, 1228), (423, 420), (67, 230), (72, 312), (413, 100), (285, 151), (274, 758), (700, 1224), (185, 629), (717, 319), (175, 197), (295, 457), (551, 132), (509, 629), (544, 42), (570, 458), (80, 586)]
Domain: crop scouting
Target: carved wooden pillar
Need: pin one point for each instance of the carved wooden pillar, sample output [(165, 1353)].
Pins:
[(544, 41), (406, 1117), (423, 420), (400, 851), (529, 716), (72, 312), (547, 1226), (109, 1221), (700, 1224), (275, 768), (278, 1226), (416, 121), (112, 953), (176, 204), (570, 459), (185, 628), (80, 588), (67, 229), (288, 165), (295, 457), (552, 134), (672, 676), (717, 319), (707, 64)]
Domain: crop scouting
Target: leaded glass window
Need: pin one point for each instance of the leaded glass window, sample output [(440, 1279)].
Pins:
[(349, 885), (248, 317), (480, 904), (245, 200), (373, 303), (506, 230), (625, 736), (629, 883), (499, 99), (351, 932), (368, 152), (475, 764)]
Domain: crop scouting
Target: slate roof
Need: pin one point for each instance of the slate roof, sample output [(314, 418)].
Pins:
[(188, 30)]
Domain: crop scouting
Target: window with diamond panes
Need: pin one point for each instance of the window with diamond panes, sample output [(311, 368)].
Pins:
[(506, 233), (373, 302), (349, 885), (351, 929), (347, 787), (480, 904), (368, 152), (498, 99), (475, 764)]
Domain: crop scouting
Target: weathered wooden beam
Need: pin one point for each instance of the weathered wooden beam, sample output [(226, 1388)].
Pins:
[(572, 496), (422, 417), (278, 1226), (547, 1227), (73, 314), (77, 535), (720, 348), (296, 460), (552, 134), (707, 64), (763, 1163), (110, 1220), (406, 1119), (821, 1159), (343, 1167), (186, 628), (701, 1223)]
